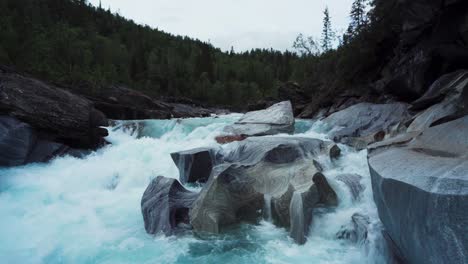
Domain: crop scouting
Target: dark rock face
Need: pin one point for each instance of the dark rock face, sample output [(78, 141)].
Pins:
[(122, 103), (431, 43), (352, 181), (281, 169), (365, 123), (165, 205), (194, 165), (65, 117), (327, 196), (16, 140), (292, 92), (357, 230), (21, 144), (276, 119), (445, 98), (424, 181)]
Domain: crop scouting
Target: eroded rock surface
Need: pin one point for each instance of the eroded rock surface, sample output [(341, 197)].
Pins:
[(366, 123), (353, 182), (65, 117), (276, 119), (357, 230), (420, 188), (165, 206), (194, 165), (282, 169), (20, 144), (445, 100)]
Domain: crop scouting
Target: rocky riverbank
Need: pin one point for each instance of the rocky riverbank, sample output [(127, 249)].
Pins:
[(39, 121), (417, 159)]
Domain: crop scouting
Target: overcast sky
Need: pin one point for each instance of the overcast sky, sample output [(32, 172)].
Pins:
[(244, 24)]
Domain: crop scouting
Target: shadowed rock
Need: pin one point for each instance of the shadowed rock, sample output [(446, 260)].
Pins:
[(353, 182), (166, 204), (63, 116), (425, 182), (366, 123), (16, 141), (446, 95), (265, 167), (327, 196), (20, 144), (276, 119), (194, 165)]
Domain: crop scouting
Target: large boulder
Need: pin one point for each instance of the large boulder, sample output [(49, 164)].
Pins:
[(259, 174), (122, 103), (366, 123), (21, 144), (194, 165), (165, 206), (16, 141), (63, 116), (420, 187), (276, 119), (446, 100)]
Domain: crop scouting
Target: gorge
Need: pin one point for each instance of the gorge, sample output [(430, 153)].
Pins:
[(355, 155)]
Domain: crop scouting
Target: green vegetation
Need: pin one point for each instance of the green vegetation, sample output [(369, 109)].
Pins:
[(77, 45)]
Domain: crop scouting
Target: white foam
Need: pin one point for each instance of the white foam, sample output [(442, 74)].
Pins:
[(88, 210)]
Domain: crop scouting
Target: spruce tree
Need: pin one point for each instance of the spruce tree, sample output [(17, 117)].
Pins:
[(327, 33), (358, 16)]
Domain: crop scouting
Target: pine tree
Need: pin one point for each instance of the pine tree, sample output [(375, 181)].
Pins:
[(358, 16), (327, 34)]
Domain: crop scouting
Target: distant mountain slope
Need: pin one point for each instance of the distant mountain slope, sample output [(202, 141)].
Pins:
[(78, 45)]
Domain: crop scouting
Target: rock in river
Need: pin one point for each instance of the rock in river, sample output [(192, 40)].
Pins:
[(20, 144), (276, 119), (263, 173), (420, 188), (194, 165), (63, 116), (366, 123), (447, 100), (165, 205)]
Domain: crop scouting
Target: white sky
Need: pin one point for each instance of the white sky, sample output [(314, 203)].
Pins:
[(244, 24)]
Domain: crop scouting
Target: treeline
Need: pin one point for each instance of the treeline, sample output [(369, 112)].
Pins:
[(74, 43), (351, 62)]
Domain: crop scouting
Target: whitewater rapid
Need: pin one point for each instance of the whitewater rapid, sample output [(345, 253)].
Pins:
[(88, 210)]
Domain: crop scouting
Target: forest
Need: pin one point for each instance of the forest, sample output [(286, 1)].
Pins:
[(76, 45)]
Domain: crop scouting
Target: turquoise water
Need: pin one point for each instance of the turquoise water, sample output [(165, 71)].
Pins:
[(88, 210)]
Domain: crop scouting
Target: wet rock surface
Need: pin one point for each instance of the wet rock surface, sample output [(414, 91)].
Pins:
[(424, 181), (352, 181), (194, 165), (165, 206), (20, 144), (357, 230), (65, 117), (444, 99), (278, 118), (366, 123), (281, 169)]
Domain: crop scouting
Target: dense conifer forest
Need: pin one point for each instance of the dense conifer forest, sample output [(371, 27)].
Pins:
[(75, 44)]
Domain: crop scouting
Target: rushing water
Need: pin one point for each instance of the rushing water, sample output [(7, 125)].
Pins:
[(88, 210)]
